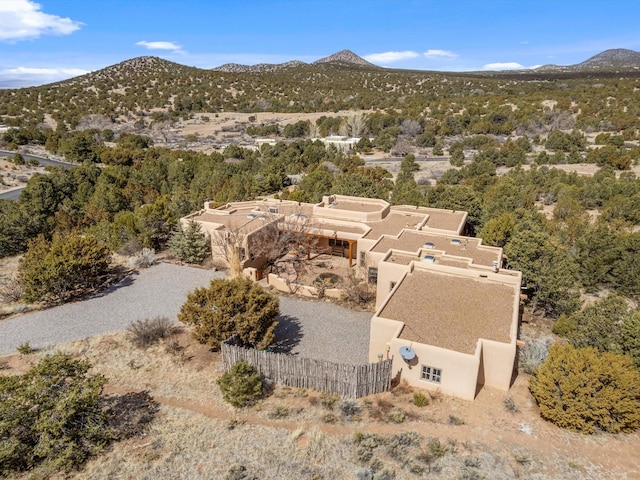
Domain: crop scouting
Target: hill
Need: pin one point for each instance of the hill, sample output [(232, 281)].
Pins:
[(617, 60), (154, 90)]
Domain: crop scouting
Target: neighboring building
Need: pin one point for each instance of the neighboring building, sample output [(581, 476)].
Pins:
[(447, 313), (343, 144)]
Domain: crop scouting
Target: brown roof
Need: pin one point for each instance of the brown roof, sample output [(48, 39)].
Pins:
[(467, 247), (450, 311), (354, 206), (446, 220), (241, 222), (393, 224)]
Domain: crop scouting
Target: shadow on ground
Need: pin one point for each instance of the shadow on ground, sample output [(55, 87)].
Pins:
[(288, 334)]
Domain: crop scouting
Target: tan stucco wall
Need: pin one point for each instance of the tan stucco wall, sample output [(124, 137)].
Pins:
[(459, 370), (387, 273), (383, 331), (498, 361)]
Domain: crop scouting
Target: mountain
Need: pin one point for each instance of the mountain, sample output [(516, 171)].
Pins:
[(615, 59), (346, 58), (259, 68), (130, 70), (612, 59)]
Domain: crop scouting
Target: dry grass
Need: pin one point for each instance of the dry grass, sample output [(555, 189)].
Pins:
[(196, 435)]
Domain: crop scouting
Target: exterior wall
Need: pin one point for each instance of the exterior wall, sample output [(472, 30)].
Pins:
[(459, 370), (323, 209), (387, 273), (383, 331), (498, 361)]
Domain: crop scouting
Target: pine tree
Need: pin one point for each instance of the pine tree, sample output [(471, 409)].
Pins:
[(189, 244)]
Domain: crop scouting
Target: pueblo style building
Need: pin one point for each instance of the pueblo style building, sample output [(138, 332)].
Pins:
[(447, 313)]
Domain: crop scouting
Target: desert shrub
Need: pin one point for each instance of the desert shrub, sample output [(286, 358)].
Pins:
[(329, 417), (364, 474), (189, 244), (397, 415), (510, 405), (25, 348), (366, 445), (231, 307), (128, 415), (51, 417), (11, 289), (380, 409), (329, 400), (583, 390), (453, 420), (420, 399), (62, 268), (241, 386), (437, 448), (143, 259), (237, 471), (279, 412), (385, 474), (349, 409), (534, 352), (398, 445), (143, 333)]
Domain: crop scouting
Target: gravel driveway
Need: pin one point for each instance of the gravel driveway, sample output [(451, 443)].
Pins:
[(308, 328)]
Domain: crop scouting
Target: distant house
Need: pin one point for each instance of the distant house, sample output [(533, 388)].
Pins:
[(446, 312)]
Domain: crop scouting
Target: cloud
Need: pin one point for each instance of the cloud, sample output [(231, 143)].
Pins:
[(30, 76), (389, 57), (174, 47), (503, 66), (44, 71), (431, 53), (23, 19)]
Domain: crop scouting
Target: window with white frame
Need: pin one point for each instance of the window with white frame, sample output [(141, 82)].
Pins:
[(431, 374), (392, 285)]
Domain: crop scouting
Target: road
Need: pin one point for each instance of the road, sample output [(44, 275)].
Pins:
[(44, 162), (12, 194), (310, 328)]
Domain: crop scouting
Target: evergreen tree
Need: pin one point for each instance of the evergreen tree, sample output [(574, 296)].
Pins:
[(189, 244), (583, 390), (231, 307)]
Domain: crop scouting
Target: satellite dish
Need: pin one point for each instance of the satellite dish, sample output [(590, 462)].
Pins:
[(407, 353)]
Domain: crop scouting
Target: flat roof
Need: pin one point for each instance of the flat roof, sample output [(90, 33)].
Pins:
[(451, 220), (355, 206), (240, 222), (467, 247), (394, 223), (451, 311)]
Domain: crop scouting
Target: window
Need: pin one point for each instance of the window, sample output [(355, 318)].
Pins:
[(363, 259), (391, 285), (373, 276), (272, 210), (431, 374), (333, 242)]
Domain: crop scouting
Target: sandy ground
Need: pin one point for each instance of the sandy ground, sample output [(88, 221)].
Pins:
[(15, 176)]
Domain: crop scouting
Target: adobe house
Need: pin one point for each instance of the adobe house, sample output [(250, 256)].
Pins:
[(447, 327), (341, 225), (446, 312)]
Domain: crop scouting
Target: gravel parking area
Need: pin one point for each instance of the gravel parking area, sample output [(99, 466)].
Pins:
[(308, 328)]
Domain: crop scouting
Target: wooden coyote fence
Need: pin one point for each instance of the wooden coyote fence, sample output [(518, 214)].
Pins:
[(350, 381)]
